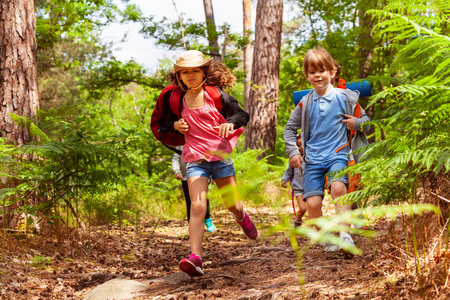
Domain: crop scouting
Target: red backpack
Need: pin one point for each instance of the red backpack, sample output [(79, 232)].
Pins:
[(171, 98)]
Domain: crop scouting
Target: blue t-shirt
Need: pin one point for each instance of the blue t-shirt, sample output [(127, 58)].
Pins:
[(327, 131)]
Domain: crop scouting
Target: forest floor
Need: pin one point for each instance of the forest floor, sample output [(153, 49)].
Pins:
[(235, 266)]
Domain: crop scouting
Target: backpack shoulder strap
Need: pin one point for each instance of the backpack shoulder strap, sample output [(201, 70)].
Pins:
[(176, 101), (214, 93), (356, 114)]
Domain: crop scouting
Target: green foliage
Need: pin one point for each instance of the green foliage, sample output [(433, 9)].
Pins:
[(62, 171), (333, 224), (169, 34), (41, 262), (77, 20), (69, 46), (416, 106), (114, 74)]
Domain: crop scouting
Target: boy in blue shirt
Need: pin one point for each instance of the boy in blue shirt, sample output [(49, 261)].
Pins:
[(326, 117)]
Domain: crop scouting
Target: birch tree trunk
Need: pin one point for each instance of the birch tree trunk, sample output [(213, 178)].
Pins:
[(261, 131), (211, 29), (18, 75), (248, 49)]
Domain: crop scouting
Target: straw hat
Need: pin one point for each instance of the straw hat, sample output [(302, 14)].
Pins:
[(191, 59)]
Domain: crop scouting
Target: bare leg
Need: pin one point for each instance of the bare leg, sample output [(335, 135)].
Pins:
[(230, 195), (339, 189), (198, 188), (301, 207), (314, 206)]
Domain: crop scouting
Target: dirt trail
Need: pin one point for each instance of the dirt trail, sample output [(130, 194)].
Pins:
[(235, 267)]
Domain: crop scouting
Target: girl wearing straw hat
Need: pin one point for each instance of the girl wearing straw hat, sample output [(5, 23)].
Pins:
[(211, 122)]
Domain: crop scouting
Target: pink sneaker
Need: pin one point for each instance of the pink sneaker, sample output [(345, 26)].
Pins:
[(192, 266), (248, 227)]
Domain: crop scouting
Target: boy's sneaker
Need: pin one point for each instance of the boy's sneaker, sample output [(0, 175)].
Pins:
[(210, 225), (297, 223), (346, 238), (192, 266), (330, 247), (248, 227)]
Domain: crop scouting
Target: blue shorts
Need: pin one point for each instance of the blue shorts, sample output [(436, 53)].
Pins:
[(215, 169), (314, 179)]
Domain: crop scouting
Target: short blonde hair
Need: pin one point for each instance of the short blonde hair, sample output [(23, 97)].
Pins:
[(316, 59)]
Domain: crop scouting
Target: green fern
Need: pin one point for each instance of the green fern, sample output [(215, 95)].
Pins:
[(416, 105)]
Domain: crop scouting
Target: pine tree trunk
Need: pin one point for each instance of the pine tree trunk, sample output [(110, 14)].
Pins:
[(248, 49), (366, 44), (211, 29), (18, 76), (263, 105)]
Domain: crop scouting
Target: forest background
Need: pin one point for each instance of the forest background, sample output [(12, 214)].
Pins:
[(87, 156)]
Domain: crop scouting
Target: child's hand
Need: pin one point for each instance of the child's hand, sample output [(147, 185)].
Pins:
[(296, 161), (224, 129), (179, 176), (350, 122), (181, 126), (283, 183)]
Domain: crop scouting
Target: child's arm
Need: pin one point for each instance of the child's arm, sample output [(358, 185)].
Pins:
[(232, 112), (364, 118), (181, 126), (290, 136), (355, 123), (176, 166), (287, 175)]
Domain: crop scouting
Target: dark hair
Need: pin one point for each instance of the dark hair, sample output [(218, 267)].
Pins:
[(338, 73), (217, 74)]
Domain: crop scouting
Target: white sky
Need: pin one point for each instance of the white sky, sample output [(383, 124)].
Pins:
[(144, 51)]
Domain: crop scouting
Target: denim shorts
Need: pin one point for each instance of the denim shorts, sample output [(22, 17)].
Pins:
[(314, 179), (215, 169)]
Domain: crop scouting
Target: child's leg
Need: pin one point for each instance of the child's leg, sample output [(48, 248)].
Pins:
[(230, 197), (339, 185), (198, 188), (314, 180), (339, 189), (301, 207), (184, 184), (314, 206), (208, 207)]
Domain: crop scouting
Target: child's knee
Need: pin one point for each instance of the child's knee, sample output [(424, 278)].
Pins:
[(314, 203), (338, 188), (197, 208)]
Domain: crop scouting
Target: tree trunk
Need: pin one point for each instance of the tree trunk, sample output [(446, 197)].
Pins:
[(263, 105), (248, 50), (18, 76), (211, 29), (366, 43)]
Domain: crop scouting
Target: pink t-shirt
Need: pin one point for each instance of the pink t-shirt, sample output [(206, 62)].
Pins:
[(202, 141)]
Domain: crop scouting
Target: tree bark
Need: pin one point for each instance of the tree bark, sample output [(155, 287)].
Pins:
[(18, 75), (263, 105), (211, 30), (366, 43), (248, 50)]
